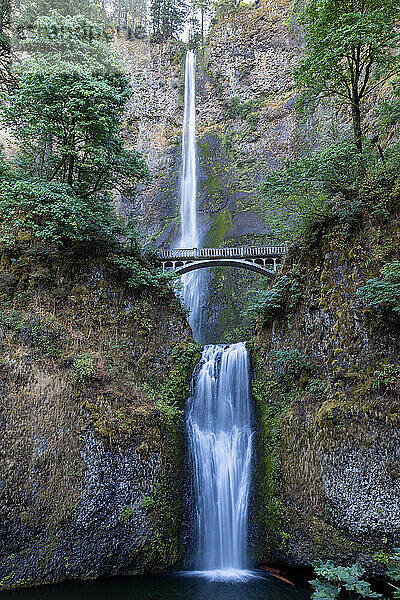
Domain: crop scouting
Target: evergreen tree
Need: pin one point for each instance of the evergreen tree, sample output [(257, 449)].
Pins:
[(168, 17)]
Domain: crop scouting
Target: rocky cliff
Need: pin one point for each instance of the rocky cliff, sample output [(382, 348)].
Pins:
[(326, 386), (93, 379), (246, 124)]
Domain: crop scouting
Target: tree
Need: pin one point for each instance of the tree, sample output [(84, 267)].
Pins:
[(200, 9), (168, 17), (299, 195), (66, 113), (25, 12), (5, 44), (130, 15), (350, 50)]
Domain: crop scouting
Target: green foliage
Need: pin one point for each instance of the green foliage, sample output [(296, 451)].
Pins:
[(68, 126), (252, 119), (83, 367), (350, 49), (392, 562), (300, 195), (148, 503), (288, 365), (384, 292), (286, 291), (246, 110), (332, 581), (42, 333), (168, 17), (387, 378), (269, 414), (126, 514), (48, 211), (66, 116), (25, 12), (58, 42), (170, 396)]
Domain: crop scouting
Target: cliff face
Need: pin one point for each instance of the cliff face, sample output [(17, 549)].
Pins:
[(246, 123), (93, 380), (326, 386)]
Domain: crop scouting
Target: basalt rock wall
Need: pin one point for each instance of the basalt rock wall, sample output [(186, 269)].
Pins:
[(326, 387), (92, 382)]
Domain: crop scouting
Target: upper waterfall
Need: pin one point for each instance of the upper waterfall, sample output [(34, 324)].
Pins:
[(193, 283), (189, 232)]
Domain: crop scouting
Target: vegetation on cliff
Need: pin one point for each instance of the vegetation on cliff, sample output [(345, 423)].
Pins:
[(96, 353)]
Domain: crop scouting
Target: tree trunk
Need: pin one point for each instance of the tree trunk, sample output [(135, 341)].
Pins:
[(71, 170), (356, 114)]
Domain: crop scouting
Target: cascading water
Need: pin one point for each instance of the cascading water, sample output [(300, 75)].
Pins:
[(193, 287), (220, 439)]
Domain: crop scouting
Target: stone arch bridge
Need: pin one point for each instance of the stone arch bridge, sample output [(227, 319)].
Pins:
[(261, 259)]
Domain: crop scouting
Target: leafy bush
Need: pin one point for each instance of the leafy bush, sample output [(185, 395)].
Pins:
[(83, 366), (51, 212), (333, 581), (387, 378), (392, 563), (289, 364), (383, 293), (235, 108), (302, 194), (269, 303)]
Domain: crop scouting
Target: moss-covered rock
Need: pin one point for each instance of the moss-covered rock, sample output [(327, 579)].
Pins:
[(92, 469), (329, 427)]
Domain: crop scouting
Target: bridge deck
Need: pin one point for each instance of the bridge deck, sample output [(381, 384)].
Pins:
[(215, 253)]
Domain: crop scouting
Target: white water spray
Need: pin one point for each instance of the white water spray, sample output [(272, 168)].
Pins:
[(220, 438), (192, 282)]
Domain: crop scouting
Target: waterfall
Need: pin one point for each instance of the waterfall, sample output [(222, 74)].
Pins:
[(220, 441), (189, 158), (192, 282)]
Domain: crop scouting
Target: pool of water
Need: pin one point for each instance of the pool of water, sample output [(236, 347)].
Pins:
[(260, 586)]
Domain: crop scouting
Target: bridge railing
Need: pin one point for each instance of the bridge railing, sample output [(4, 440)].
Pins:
[(239, 252)]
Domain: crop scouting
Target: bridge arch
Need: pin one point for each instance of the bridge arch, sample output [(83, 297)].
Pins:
[(228, 262), (263, 260)]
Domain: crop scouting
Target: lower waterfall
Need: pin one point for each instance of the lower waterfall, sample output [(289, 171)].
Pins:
[(220, 443)]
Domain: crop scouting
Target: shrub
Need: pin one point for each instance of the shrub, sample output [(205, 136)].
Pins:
[(235, 108), (286, 290), (387, 378), (383, 293), (83, 366), (303, 193), (289, 364), (336, 582), (48, 211), (333, 581)]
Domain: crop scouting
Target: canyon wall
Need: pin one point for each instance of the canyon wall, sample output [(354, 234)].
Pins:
[(93, 380), (246, 124), (326, 387)]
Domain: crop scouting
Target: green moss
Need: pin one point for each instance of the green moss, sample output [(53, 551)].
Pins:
[(171, 395), (269, 411), (220, 225)]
